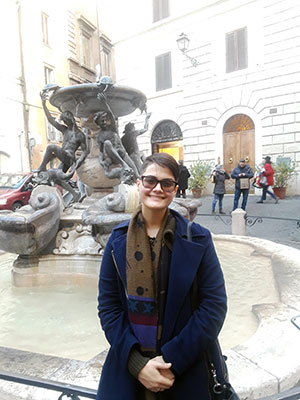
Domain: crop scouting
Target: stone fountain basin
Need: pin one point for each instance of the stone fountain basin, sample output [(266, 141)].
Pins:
[(269, 361), (265, 364), (82, 99)]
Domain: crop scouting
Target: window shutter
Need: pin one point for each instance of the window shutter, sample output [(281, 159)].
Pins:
[(230, 61), (160, 9), (236, 50), (155, 11), (165, 8), (242, 48), (163, 71)]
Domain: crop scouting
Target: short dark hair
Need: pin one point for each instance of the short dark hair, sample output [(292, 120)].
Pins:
[(163, 160)]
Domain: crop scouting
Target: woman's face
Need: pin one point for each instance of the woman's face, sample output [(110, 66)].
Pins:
[(156, 198)]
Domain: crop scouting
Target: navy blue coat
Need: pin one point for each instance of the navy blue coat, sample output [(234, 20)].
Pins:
[(186, 334)]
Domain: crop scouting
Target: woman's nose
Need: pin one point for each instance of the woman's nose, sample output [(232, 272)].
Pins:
[(158, 187)]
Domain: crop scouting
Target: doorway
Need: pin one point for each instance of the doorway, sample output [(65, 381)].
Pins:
[(175, 149), (167, 137), (238, 142)]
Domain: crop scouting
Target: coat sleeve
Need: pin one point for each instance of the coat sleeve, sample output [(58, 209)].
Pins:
[(249, 173), (235, 174), (206, 321), (111, 310)]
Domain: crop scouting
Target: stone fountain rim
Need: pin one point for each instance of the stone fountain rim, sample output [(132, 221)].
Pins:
[(250, 378), (269, 364)]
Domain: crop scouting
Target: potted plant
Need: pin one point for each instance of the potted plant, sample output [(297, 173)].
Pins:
[(200, 173), (283, 170)]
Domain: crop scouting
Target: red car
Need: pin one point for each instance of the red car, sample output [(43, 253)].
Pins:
[(16, 196)]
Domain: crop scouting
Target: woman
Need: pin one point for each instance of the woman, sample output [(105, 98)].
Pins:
[(219, 175), (268, 172), (148, 268)]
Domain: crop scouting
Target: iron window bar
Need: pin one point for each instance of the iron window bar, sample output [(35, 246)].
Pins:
[(70, 391)]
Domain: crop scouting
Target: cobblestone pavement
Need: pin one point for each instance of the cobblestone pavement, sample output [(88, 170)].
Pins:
[(278, 222)]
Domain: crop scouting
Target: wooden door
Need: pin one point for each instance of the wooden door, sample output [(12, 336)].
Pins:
[(238, 145)]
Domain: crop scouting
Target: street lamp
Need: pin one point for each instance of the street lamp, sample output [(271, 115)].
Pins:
[(183, 44)]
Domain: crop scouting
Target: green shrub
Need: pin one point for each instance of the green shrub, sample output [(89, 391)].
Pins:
[(282, 173), (200, 174)]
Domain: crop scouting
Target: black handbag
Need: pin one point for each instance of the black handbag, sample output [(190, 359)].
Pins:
[(220, 388)]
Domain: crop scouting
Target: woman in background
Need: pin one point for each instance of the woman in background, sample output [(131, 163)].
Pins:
[(219, 175)]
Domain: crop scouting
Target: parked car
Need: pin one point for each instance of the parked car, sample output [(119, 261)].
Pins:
[(18, 195)]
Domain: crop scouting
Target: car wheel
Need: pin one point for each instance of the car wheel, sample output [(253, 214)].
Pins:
[(16, 206)]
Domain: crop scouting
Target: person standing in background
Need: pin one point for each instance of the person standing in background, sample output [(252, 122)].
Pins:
[(242, 174), (182, 180), (219, 175), (268, 172)]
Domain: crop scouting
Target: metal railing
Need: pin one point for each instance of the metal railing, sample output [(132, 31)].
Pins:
[(251, 220), (66, 390)]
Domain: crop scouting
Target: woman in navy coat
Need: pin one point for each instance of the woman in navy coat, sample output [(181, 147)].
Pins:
[(159, 355)]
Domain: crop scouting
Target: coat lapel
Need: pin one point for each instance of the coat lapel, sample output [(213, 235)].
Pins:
[(186, 258), (119, 249)]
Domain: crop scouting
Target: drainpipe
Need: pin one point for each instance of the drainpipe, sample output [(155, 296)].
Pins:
[(24, 90), (98, 37)]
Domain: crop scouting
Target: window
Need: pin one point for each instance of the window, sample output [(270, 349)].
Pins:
[(45, 28), (160, 9), (106, 56), (163, 71), (106, 63), (86, 49), (48, 75), (236, 50), (53, 134)]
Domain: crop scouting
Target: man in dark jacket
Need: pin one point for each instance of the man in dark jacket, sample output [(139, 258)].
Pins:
[(242, 174), (182, 180)]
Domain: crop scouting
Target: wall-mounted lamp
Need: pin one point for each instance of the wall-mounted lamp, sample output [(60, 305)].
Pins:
[(183, 44)]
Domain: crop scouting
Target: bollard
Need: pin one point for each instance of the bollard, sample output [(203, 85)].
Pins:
[(238, 222)]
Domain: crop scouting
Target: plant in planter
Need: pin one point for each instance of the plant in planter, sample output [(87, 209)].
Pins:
[(200, 173), (282, 172)]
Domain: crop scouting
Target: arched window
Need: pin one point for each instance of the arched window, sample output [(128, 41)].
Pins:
[(237, 123)]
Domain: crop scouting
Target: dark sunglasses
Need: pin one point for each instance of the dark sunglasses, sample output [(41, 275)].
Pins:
[(150, 182)]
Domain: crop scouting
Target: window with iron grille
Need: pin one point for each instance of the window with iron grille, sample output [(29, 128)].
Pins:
[(160, 9), (236, 50), (163, 71)]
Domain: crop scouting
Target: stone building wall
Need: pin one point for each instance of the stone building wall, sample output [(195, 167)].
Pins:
[(202, 98)]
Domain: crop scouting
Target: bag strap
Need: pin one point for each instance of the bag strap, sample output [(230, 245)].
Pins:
[(217, 387), (194, 287)]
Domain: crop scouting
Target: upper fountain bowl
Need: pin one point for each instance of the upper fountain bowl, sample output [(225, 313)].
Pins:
[(83, 100)]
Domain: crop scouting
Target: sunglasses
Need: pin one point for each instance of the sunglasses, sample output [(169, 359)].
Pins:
[(150, 182)]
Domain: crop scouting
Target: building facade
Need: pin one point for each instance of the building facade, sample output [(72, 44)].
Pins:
[(234, 92), (44, 42)]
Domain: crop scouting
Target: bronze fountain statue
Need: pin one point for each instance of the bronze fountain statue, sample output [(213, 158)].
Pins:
[(106, 166)]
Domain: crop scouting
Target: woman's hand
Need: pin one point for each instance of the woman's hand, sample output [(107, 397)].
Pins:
[(165, 372), (156, 375)]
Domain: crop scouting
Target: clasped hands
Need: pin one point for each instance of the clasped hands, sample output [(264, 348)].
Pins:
[(156, 375)]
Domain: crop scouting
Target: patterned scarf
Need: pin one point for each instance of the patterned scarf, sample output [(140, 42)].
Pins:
[(142, 263)]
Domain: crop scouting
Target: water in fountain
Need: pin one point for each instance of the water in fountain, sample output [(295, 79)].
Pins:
[(62, 320)]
